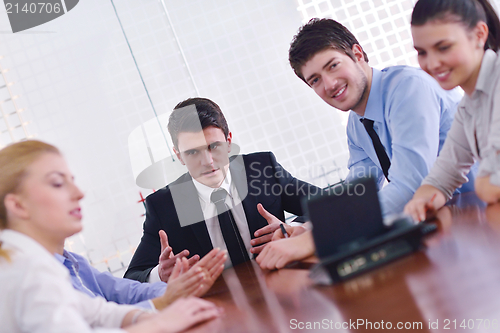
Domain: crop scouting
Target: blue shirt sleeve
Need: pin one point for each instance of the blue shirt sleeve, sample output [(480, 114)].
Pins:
[(126, 291), (119, 290), (412, 114)]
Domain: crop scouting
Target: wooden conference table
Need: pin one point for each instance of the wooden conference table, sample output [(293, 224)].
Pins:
[(451, 284)]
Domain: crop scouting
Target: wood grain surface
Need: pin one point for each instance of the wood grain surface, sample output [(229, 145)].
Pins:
[(452, 285)]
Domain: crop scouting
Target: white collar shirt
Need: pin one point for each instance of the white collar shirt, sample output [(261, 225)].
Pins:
[(233, 201)]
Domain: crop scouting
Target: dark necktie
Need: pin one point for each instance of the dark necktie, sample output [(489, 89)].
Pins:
[(385, 163), (232, 237)]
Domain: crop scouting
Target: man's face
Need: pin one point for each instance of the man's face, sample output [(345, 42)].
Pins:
[(205, 154), (337, 79)]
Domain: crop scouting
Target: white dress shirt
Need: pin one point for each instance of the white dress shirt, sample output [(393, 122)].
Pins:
[(37, 295), (233, 201)]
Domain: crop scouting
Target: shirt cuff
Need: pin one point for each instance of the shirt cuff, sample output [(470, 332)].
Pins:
[(154, 276)]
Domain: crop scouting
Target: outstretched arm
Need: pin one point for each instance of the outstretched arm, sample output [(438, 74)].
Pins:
[(279, 253), (426, 201), (413, 119), (181, 315)]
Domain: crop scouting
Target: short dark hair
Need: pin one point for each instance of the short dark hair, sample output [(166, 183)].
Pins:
[(316, 36), (467, 12), (208, 113)]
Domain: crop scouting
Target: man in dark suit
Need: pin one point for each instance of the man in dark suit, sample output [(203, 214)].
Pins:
[(233, 203)]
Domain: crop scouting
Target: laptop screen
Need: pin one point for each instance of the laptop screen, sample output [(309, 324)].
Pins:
[(345, 216)]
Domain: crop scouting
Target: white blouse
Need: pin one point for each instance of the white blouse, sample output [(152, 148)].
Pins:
[(474, 133), (37, 296)]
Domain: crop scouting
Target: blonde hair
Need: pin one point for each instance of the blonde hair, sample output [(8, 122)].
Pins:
[(14, 160)]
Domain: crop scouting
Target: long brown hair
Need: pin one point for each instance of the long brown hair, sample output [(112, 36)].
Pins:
[(14, 160)]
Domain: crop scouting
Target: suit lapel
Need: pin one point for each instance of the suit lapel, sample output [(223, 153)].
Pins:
[(201, 233), (249, 202)]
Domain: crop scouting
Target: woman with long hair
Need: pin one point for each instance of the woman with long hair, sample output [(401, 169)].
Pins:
[(457, 43), (39, 209)]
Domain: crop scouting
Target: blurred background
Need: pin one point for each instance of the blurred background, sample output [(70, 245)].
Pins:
[(92, 80)]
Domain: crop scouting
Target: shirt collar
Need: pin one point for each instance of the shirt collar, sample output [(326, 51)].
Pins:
[(485, 78), (374, 107), (204, 191), (69, 257)]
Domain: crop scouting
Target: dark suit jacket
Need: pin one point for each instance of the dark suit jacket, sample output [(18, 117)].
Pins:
[(266, 182)]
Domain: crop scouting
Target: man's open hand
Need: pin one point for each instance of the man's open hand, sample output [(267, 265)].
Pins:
[(167, 258)]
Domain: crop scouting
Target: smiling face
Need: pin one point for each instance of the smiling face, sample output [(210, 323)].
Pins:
[(450, 53), (205, 154), (339, 80), (46, 207)]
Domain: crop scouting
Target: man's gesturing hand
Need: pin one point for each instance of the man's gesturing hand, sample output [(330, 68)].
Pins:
[(167, 258), (264, 234)]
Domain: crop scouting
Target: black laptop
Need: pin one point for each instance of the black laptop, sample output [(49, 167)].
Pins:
[(350, 234)]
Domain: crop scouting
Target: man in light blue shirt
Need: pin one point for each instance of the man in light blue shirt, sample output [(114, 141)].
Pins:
[(397, 125), (400, 115)]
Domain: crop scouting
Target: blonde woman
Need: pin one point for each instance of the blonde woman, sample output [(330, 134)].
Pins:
[(39, 209)]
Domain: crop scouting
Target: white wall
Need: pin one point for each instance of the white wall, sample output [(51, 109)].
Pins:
[(82, 92)]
